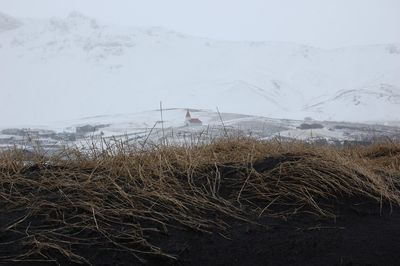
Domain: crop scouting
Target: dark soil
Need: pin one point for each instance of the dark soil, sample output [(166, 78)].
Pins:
[(361, 234)]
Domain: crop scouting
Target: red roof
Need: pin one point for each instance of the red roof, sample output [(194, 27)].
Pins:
[(195, 120)]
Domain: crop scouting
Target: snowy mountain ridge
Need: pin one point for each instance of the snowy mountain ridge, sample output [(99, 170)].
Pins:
[(66, 68), (8, 23)]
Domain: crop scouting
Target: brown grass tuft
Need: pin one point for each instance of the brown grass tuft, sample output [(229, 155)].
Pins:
[(116, 197)]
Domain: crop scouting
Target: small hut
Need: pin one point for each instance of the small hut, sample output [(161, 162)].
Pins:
[(189, 121)]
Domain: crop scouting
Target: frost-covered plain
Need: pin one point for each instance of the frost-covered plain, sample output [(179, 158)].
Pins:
[(67, 68), (147, 128)]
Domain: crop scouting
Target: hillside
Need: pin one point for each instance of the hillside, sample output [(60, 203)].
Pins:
[(66, 68), (284, 203)]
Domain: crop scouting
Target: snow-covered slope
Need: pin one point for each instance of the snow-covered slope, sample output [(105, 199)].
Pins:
[(8, 23), (66, 68)]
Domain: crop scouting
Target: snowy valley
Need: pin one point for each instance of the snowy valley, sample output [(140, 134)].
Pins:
[(63, 69)]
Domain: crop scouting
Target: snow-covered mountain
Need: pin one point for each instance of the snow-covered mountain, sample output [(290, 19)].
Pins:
[(65, 68)]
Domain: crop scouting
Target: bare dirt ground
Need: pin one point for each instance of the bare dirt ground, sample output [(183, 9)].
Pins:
[(360, 235)]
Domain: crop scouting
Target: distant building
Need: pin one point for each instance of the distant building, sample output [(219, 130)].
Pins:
[(310, 126), (189, 121), (85, 129)]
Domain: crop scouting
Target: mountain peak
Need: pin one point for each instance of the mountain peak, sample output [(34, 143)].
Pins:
[(74, 20), (78, 16), (8, 22)]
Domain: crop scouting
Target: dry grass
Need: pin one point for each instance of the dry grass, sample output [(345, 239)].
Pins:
[(118, 196)]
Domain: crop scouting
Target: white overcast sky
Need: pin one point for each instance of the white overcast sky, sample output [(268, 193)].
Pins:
[(322, 23)]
